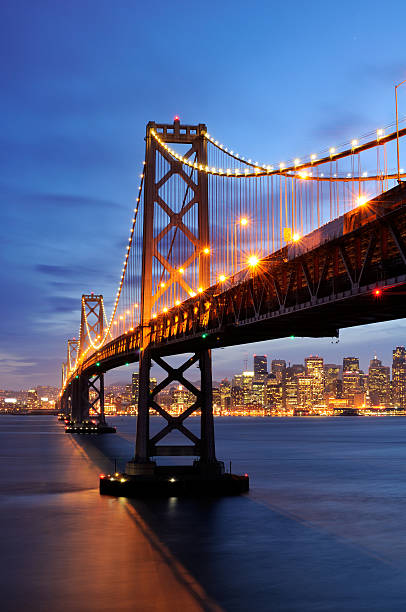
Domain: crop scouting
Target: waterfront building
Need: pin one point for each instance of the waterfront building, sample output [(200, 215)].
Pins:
[(352, 385)]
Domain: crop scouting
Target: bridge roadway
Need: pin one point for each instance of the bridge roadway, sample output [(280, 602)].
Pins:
[(313, 294)]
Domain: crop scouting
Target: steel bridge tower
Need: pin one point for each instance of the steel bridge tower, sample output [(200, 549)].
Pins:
[(87, 390), (146, 447)]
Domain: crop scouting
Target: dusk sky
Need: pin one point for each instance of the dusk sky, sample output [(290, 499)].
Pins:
[(81, 79)]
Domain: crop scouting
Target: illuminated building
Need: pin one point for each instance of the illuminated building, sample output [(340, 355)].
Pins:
[(332, 381), (237, 396), (315, 371), (290, 385), (305, 390), (225, 394), (399, 377), (378, 383), (135, 387), (278, 369), (260, 367), (352, 385), (246, 385), (350, 364), (273, 396), (258, 391)]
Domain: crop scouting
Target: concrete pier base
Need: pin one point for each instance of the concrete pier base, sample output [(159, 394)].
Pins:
[(174, 481)]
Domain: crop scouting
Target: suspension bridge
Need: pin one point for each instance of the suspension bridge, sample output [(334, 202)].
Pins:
[(224, 250)]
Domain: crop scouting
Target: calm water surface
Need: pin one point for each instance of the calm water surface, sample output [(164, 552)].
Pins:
[(322, 529)]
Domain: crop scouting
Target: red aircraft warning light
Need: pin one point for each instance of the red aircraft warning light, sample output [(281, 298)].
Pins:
[(176, 118), (377, 292)]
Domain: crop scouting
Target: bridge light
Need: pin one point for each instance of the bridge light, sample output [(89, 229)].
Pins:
[(253, 261), (354, 143), (380, 132), (192, 293), (303, 174), (296, 237), (181, 270), (97, 363), (296, 161), (164, 309), (361, 200), (313, 156), (332, 150), (154, 315), (176, 118), (162, 284), (200, 290), (177, 302), (222, 278), (377, 292), (206, 250), (243, 221), (292, 337)]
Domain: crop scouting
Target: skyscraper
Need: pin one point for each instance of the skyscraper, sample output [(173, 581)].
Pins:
[(378, 383), (332, 381), (260, 367), (399, 377), (315, 371)]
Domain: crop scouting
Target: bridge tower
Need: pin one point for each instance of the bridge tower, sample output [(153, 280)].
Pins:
[(87, 390), (204, 448)]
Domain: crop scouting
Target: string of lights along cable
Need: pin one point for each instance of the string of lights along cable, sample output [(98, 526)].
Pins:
[(254, 209)]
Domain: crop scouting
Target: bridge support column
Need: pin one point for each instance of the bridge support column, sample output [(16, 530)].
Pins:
[(87, 393), (204, 448)]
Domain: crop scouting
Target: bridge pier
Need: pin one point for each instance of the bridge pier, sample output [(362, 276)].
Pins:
[(146, 447), (87, 394), (206, 476)]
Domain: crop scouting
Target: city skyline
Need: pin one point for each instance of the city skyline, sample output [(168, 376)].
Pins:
[(76, 148)]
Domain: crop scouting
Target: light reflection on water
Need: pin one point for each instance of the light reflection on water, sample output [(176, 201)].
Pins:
[(321, 529)]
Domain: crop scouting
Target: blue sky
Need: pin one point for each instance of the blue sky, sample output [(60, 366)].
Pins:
[(80, 80)]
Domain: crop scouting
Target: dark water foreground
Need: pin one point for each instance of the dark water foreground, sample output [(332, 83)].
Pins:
[(322, 529)]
